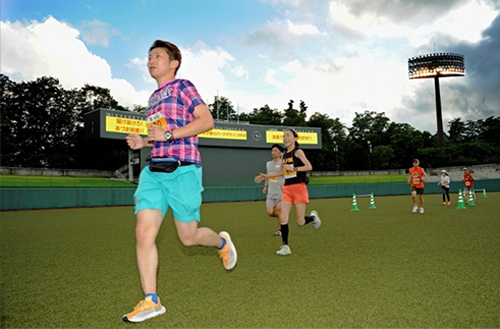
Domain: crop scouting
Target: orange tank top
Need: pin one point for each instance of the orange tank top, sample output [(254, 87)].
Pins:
[(416, 177)]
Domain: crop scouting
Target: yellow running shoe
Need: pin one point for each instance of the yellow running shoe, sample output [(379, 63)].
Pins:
[(228, 253), (146, 309)]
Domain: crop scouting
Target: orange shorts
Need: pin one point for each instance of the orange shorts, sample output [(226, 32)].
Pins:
[(295, 193)]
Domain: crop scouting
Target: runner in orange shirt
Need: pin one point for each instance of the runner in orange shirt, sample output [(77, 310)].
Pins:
[(416, 180)]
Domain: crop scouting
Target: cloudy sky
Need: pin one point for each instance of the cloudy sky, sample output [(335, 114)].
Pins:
[(339, 56)]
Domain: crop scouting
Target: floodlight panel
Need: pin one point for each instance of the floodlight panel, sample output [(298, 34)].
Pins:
[(432, 65)]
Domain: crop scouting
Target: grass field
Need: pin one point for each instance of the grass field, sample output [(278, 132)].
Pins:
[(65, 181), (382, 268), (60, 181), (366, 179)]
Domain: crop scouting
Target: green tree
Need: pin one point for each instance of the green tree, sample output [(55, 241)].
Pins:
[(323, 159), (293, 117), (8, 120), (222, 109), (264, 115), (42, 125), (431, 140), (98, 97), (405, 141), (140, 109), (367, 132), (383, 157), (332, 134), (491, 130), (457, 130), (40, 128), (370, 126)]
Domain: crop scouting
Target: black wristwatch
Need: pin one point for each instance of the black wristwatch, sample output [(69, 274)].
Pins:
[(168, 136)]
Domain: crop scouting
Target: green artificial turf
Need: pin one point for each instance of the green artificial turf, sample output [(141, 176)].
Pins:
[(374, 268), (361, 179), (70, 181), (60, 181)]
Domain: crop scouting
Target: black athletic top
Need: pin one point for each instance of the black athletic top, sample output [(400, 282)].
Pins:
[(293, 177)]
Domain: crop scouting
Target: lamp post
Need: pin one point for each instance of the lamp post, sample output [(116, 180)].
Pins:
[(435, 66), (336, 150), (370, 156)]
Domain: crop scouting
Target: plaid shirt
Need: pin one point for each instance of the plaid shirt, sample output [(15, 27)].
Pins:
[(175, 102)]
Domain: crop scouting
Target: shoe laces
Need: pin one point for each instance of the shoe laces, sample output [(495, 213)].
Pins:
[(143, 304)]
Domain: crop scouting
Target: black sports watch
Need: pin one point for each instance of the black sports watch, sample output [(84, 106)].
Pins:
[(169, 136)]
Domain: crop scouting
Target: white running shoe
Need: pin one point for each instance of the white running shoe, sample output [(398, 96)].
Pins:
[(317, 221), (228, 253), (421, 210), (415, 208), (284, 250)]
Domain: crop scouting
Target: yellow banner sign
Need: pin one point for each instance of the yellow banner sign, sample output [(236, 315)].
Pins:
[(126, 125), (273, 136), (225, 134)]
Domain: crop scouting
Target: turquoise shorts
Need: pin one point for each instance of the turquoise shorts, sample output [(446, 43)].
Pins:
[(180, 190)]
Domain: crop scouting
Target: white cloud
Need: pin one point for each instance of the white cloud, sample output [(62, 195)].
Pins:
[(53, 48), (272, 80), (239, 71), (362, 84), (302, 29), (291, 56), (464, 23), (369, 72), (97, 32), (202, 66), (140, 64)]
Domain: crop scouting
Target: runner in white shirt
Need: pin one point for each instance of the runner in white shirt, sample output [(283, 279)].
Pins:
[(272, 186), (445, 186)]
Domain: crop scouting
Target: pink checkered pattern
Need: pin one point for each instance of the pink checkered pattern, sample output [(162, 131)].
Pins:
[(176, 100)]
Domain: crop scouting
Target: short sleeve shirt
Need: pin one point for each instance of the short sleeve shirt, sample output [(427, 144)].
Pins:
[(172, 106), (275, 183), (468, 181)]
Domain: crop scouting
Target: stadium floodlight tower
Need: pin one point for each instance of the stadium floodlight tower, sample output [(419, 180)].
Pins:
[(435, 66)]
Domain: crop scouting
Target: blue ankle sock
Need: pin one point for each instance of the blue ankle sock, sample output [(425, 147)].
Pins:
[(223, 244), (155, 297)]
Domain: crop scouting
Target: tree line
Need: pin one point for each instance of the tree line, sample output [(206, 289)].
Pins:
[(42, 126)]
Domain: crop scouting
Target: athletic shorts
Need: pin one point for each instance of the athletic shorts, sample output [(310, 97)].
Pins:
[(419, 191), (468, 189), (295, 193), (180, 190), (272, 202)]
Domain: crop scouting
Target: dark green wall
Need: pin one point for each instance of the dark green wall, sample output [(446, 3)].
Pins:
[(228, 164), (45, 198)]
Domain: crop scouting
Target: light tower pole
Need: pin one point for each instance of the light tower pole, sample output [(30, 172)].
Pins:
[(435, 66)]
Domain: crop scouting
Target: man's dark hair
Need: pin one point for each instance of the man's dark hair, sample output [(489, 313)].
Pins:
[(173, 52), (278, 146)]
